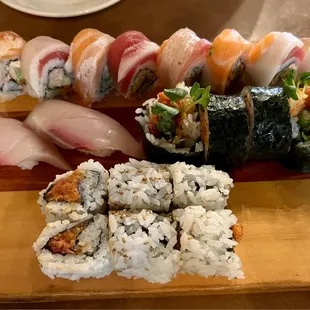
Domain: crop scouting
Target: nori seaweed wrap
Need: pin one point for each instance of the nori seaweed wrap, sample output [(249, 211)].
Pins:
[(229, 127), (272, 130)]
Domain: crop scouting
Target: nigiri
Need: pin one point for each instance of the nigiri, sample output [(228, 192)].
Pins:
[(182, 58), (88, 64), (224, 69), (132, 63), (11, 79), (269, 59), (21, 147), (75, 127), (42, 64)]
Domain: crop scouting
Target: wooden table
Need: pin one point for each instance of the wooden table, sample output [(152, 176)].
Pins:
[(275, 213)]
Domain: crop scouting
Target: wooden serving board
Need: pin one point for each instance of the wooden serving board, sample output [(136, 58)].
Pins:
[(274, 251)]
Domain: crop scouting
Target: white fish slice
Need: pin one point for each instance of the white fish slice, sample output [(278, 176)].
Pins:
[(21, 147), (75, 127)]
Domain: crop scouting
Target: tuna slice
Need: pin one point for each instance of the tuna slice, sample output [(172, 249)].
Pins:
[(75, 127), (21, 147)]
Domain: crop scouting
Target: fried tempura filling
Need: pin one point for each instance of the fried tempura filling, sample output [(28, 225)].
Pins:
[(67, 189), (237, 230), (66, 241)]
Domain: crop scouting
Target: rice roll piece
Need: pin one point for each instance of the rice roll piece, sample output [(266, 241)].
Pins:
[(140, 185), (270, 59), (272, 128), (230, 131), (88, 64), (224, 68), (203, 186), (132, 63), (76, 194), (143, 246), (42, 63), (182, 58), (21, 147), (175, 125), (78, 128), (75, 250), (207, 242), (11, 78)]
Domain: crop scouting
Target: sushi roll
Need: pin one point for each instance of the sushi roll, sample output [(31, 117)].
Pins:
[(182, 58), (270, 120), (75, 250), (42, 64), (207, 242), (229, 125), (11, 78), (88, 64), (175, 125), (203, 186), (270, 60), (224, 68), (143, 246), (140, 185), (75, 194), (132, 64)]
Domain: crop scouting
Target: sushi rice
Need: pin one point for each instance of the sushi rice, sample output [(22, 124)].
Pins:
[(94, 261), (203, 186), (92, 188)]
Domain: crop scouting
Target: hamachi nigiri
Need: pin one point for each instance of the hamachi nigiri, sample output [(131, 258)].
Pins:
[(181, 58), (88, 64), (42, 63), (11, 79), (21, 147), (224, 69), (132, 63), (75, 127), (268, 59)]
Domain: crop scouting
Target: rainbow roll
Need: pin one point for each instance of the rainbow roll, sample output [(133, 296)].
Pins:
[(11, 79), (182, 58), (42, 64), (132, 63)]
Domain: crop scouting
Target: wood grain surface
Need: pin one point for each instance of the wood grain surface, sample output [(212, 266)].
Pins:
[(275, 257)]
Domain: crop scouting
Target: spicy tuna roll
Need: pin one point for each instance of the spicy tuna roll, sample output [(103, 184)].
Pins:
[(75, 194), (207, 242), (143, 245), (11, 79), (75, 250), (175, 125), (132, 63), (42, 64), (140, 185), (203, 186)]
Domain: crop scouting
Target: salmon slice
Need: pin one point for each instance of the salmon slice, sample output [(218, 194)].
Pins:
[(88, 62), (223, 66), (182, 58)]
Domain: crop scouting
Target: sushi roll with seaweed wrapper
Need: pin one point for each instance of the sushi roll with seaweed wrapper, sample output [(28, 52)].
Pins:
[(175, 125), (207, 242), (76, 194), (230, 131), (132, 64), (143, 246), (182, 58), (75, 250), (11, 78), (140, 185), (270, 121), (88, 64), (42, 64), (270, 59), (203, 186)]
